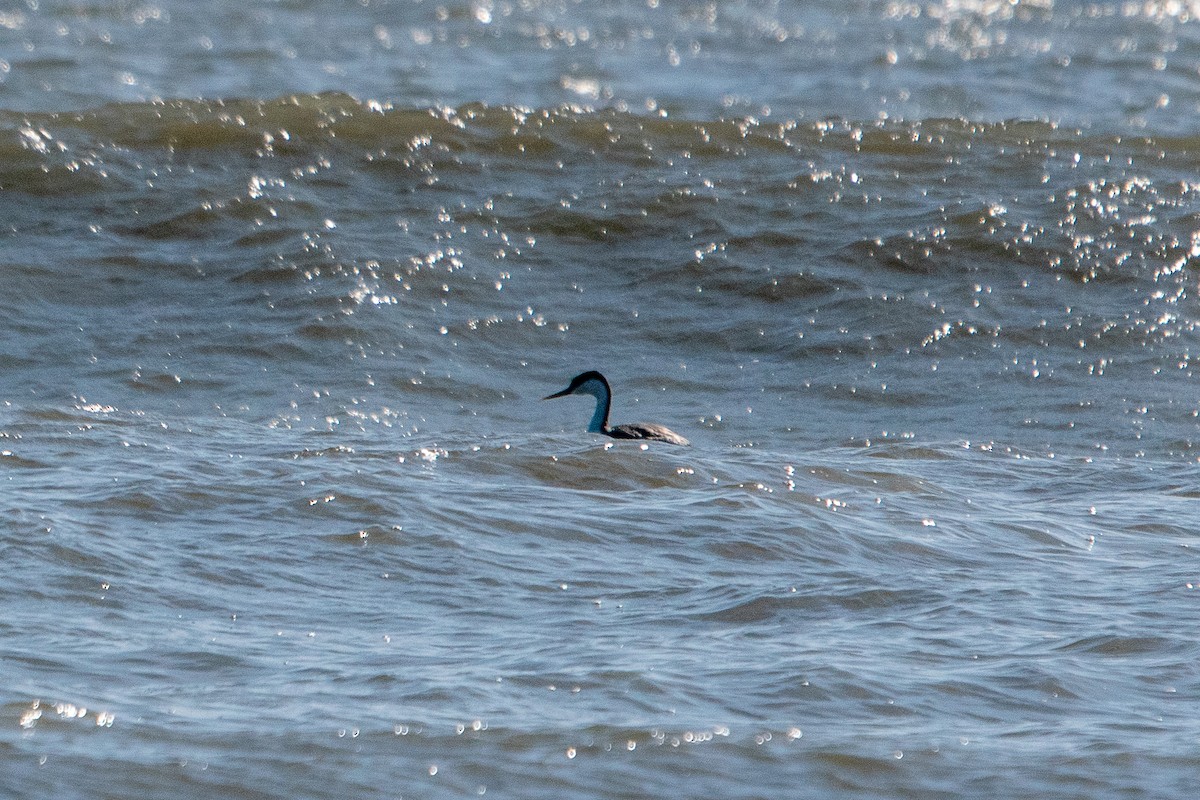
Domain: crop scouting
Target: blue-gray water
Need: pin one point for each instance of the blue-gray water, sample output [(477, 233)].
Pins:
[(282, 514)]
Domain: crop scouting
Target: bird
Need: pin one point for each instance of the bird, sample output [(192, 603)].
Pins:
[(595, 384)]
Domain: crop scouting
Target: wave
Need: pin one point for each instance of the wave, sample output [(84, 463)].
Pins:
[(295, 124)]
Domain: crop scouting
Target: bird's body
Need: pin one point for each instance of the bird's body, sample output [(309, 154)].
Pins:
[(594, 384)]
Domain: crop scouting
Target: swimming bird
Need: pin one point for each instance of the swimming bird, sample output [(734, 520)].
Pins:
[(594, 383)]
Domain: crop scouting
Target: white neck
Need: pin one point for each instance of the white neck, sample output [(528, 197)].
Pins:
[(600, 417)]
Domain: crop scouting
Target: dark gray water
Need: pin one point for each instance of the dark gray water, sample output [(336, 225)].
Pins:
[(283, 515)]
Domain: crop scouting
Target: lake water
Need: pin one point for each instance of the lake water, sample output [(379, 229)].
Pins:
[(283, 516)]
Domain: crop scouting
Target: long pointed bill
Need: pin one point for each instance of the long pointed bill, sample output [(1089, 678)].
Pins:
[(563, 393)]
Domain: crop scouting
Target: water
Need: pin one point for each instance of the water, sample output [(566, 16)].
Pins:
[(284, 516)]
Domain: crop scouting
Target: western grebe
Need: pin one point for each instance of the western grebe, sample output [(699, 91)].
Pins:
[(593, 383)]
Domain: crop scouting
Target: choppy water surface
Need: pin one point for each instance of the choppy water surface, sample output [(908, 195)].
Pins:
[(284, 516)]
